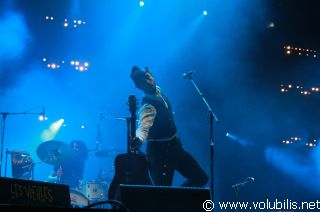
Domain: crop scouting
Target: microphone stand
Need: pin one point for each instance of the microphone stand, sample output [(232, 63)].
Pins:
[(211, 117), (4, 117), (237, 186)]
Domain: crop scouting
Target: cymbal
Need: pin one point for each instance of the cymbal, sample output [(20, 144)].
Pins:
[(107, 152), (54, 152)]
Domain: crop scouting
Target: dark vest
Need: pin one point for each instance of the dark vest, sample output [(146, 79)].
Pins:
[(164, 125)]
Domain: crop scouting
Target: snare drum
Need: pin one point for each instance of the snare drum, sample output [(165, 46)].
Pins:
[(78, 199), (95, 189)]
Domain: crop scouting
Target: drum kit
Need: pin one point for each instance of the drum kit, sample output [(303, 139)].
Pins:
[(55, 152)]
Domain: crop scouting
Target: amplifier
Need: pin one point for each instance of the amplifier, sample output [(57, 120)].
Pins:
[(33, 193), (163, 198)]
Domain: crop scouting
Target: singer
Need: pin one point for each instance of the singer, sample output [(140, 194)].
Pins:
[(157, 128)]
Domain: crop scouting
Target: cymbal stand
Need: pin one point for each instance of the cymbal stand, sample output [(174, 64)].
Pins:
[(99, 143), (99, 134), (3, 120)]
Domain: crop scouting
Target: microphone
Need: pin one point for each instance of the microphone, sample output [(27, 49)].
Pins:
[(187, 75), (247, 180), (251, 179)]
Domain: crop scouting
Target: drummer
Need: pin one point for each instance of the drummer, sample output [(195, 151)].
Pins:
[(71, 171)]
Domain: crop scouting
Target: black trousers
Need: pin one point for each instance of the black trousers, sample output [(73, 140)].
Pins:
[(166, 157)]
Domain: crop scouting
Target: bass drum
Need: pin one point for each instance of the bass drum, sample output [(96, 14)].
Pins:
[(95, 189), (78, 199)]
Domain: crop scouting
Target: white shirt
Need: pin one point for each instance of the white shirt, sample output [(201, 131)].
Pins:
[(147, 115)]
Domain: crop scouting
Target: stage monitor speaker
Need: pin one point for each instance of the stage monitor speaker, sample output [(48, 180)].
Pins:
[(21, 192), (163, 198)]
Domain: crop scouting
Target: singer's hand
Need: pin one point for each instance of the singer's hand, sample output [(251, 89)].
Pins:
[(135, 144)]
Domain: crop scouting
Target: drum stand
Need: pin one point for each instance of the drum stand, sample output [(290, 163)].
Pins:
[(96, 190)]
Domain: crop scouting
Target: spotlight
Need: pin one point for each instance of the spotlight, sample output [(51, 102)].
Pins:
[(42, 118), (292, 140), (288, 142), (312, 143), (141, 3), (235, 138), (53, 129), (205, 12), (292, 50), (271, 25)]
